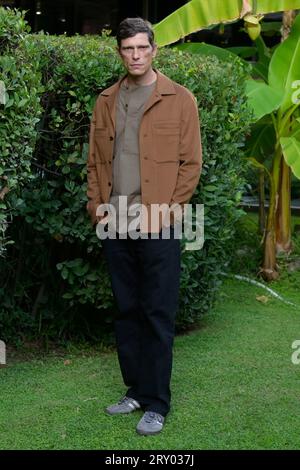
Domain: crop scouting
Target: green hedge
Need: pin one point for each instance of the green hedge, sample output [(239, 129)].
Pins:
[(19, 112), (55, 282)]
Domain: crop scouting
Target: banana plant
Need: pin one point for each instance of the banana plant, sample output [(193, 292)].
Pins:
[(202, 14), (275, 100), (276, 132), (275, 108)]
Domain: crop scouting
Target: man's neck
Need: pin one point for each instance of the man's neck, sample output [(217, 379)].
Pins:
[(144, 80)]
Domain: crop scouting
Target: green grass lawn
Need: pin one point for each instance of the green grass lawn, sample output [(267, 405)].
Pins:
[(234, 386)]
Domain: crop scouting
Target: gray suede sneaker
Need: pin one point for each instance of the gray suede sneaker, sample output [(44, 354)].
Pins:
[(125, 405), (151, 423)]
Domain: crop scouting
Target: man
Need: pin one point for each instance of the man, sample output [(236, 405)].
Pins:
[(145, 145)]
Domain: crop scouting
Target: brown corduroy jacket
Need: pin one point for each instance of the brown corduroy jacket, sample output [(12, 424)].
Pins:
[(169, 145)]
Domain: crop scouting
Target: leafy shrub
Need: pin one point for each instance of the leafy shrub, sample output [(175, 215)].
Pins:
[(55, 272), (19, 112)]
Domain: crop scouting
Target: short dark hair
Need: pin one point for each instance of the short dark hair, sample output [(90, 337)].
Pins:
[(132, 26)]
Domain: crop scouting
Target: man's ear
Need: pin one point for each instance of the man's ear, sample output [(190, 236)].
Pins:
[(118, 51), (155, 50)]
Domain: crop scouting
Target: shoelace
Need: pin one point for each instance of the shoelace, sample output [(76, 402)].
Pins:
[(151, 416), (128, 400), (124, 400)]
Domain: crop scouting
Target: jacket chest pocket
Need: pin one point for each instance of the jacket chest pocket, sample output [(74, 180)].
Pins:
[(166, 135), (102, 143)]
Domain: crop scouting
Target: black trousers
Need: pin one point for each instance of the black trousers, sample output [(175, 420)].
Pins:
[(145, 276)]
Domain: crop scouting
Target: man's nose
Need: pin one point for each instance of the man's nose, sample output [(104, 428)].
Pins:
[(136, 53)]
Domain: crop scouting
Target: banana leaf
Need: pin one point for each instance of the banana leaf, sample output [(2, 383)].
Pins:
[(291, 152), (208, 49), (284, 67), (244, 52), (262, 99), (262, 140), (199, 14), (259, 68), (264, 58)]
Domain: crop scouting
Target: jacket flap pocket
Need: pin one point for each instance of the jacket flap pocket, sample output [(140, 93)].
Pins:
[(170, 127)]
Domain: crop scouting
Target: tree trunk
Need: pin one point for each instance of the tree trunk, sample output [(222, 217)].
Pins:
[(287, 21), (262, 201), (283, 213), (269, 268)]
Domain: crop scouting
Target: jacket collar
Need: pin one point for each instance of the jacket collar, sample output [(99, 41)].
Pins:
[(164, 86)]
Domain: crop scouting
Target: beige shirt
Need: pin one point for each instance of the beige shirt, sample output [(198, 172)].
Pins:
[(126, 161)]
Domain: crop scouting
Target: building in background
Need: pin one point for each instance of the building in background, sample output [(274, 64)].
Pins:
[(88, 16), (92, 16)]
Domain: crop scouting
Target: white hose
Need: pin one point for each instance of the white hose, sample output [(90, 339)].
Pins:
[(259, 284)]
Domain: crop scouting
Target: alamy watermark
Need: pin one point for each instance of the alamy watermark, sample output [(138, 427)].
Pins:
[(126, 220), (2, 92), (2, 353), (295, 358), (296, 94)]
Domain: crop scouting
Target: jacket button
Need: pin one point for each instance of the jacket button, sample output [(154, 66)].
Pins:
[(146, 181), (109, 184), (145, 158), (111, 138)]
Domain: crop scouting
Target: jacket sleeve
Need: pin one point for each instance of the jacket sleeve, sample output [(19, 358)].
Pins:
[(93, 190), (190, 152)]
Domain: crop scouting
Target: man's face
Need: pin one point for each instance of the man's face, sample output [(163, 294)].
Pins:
[(137, 54)]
